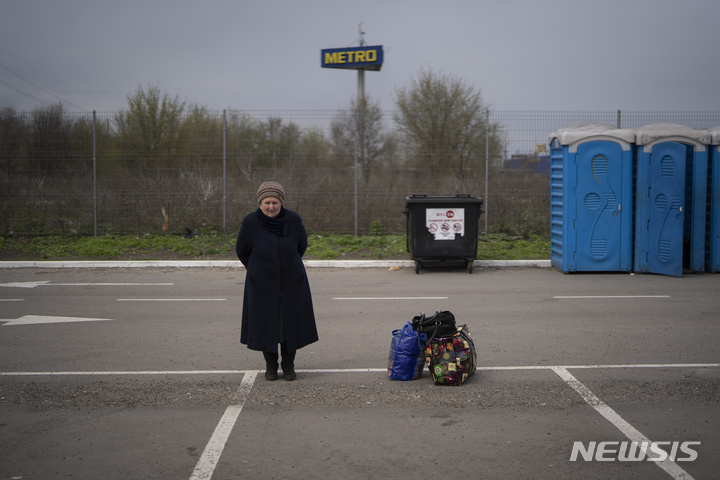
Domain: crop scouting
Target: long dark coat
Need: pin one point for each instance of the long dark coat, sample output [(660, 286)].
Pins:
[(276, 285)]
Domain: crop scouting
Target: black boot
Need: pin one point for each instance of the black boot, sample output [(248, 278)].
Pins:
[(271, 365), (288, 362)]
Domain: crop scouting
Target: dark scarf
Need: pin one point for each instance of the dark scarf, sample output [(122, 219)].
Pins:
[(276, 225)]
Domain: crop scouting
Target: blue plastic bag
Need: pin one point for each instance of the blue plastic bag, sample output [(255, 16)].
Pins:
[(406, 360)]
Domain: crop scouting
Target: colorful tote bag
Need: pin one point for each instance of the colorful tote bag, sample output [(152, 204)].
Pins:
[(452, 360)]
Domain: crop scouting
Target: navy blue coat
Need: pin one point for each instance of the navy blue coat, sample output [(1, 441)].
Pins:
[(277, 290)]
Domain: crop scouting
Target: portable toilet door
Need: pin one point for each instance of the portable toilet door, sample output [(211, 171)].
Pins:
[(713, 245), (671, 181), (591, 198)]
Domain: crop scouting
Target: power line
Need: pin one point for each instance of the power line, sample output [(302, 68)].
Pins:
[(39, 87), (22, 92), (48, 76)]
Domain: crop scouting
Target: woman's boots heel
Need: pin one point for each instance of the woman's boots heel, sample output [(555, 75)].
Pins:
[(288, 363), (271, 366)]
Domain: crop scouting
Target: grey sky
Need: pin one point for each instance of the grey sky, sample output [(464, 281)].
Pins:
[(520, 54)]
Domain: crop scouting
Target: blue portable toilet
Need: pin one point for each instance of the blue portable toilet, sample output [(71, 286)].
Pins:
[(671, 182), (591, 199), (713, 250)]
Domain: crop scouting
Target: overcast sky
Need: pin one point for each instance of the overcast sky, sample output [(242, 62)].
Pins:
[(240, 54)]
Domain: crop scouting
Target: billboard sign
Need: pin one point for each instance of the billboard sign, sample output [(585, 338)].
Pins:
[(353, 58)]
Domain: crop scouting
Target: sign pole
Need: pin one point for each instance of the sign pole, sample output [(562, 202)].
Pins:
[(356, 58), (358, 119)]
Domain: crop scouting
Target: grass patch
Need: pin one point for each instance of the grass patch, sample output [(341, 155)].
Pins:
[(330, 247), (500, 246), (114, 247), (213, 245)]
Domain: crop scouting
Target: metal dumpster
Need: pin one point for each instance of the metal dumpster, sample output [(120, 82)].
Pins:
[(442, 229)]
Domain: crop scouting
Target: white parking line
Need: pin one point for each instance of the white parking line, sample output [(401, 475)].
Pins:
[(390, 298), (628, 430), (210, 456), (171, 299), (582, 297), (125, 372), (352, 370)]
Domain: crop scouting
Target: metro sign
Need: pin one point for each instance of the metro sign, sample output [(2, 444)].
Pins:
[(353, 58)]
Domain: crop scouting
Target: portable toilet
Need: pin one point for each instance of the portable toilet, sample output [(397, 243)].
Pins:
[(671, 182), (591, 198), (713, 246)]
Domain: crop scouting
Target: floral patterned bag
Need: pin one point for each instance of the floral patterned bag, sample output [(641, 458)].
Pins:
[(451, 360)]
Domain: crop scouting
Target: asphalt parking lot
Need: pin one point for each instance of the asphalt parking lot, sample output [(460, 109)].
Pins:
[(139, 373)]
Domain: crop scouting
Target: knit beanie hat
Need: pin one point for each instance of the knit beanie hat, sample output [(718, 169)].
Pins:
[(271, 189)]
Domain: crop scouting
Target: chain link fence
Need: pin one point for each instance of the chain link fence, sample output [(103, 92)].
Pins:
[(96, 174)]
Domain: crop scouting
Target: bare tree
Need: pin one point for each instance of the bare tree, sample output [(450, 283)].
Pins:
[(200, 138), (361, 128), (442, 120), (13, 136), (150, 127), (49, 142)]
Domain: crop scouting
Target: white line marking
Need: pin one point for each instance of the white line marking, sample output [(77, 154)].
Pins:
[(344, 370), (108, 284), (25, 284), (635, 365), (390, 298), (565, 297), (210, 456), (171, 299), (12, 299), (46, 283), (41, 319), (355, 370), (628, 430), (126, 372)]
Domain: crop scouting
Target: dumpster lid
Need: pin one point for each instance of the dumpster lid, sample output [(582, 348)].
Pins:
[(459, 198), (585, 132), (670, 132), (714, 135)]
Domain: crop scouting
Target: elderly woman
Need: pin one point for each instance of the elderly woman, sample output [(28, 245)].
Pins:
[(277, 304)]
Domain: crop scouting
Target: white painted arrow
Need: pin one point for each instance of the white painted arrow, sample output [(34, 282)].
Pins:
[(24, 284), (47, 283), (38, 319)]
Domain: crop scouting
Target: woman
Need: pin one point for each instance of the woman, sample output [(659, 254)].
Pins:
[(277, 304)]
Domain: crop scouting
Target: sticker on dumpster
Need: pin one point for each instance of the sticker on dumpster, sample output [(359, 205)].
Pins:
[(445, 223)]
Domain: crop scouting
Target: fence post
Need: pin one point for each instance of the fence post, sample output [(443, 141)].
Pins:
[(487, 160), (355, 181), (94, 140), (618, 120), (224, 171)]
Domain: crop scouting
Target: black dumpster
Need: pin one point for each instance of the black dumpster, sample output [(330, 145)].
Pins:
[(442, 229)]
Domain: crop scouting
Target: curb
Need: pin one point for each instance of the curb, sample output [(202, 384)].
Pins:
[(237, 264)]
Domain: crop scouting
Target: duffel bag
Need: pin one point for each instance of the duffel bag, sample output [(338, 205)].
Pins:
[(441, 324)]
